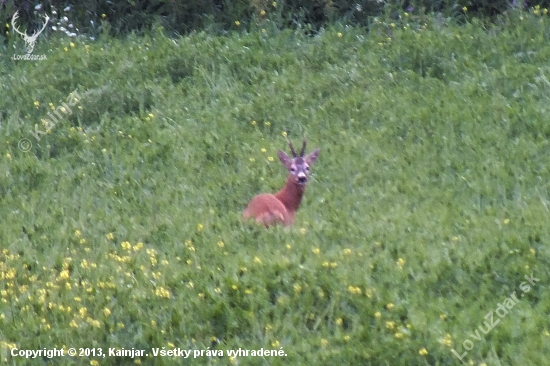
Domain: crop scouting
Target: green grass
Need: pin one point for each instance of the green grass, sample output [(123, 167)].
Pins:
[(427, 207)]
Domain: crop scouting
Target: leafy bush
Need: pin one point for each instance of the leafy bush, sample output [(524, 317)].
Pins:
[(221, 16)]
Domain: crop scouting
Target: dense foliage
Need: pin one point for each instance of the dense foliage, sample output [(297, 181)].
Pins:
[(224, 15)]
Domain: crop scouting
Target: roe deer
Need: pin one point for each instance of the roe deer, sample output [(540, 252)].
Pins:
[(280, 208)]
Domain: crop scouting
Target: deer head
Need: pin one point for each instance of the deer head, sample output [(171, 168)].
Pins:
[(30, 41), (298, 166)]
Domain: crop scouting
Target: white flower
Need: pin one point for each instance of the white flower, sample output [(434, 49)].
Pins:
[(38, 7), (54, 28), (67, 8), (62, 29)]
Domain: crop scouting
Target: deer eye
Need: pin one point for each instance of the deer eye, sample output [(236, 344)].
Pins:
[(307, 169), (293, 170)]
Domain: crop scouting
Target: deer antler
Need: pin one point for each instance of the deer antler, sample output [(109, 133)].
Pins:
[(47, 18), (35, 34), (292, 148), (16, 16), (303, 148)]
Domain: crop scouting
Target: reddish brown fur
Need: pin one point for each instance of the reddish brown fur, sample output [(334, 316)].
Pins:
[(280, 208)]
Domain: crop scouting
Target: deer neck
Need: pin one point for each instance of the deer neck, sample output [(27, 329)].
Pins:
[(291, 194)]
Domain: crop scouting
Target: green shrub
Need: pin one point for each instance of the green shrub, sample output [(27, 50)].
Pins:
[(221, 16)]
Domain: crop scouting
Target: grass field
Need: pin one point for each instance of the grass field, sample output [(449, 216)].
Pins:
[(427, 208)]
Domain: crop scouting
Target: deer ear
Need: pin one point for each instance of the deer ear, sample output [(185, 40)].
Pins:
[(312, 156), (287, 162)]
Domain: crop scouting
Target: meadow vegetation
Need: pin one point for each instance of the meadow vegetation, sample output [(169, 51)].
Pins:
[(427, 207)]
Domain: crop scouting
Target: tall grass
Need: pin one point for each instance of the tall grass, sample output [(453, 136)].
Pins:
[(427, 207)]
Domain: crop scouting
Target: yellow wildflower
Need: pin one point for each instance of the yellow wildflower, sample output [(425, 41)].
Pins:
[(83, 311), (63, 275), (447, 340)]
